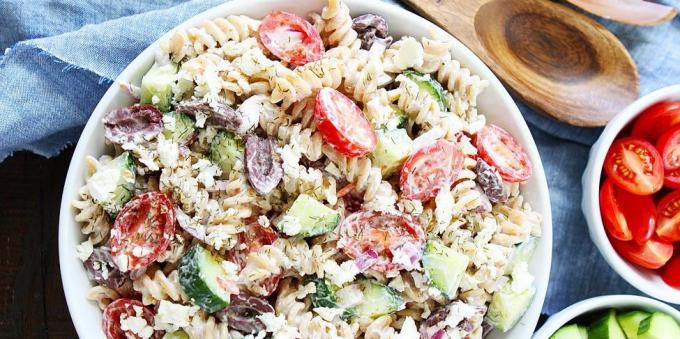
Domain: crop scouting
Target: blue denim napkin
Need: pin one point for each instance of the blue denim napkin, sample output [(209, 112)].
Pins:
[(62, 55)]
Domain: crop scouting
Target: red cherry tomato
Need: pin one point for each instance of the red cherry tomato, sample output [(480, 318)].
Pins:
[(252, 239), (627, 216), (635, 165), (429, 168), (142, 230), (656, 120), (652, 254), (671, 272), (668, 146), (501, 150), (125, 308), (342, 124), (668, 214), (395, 241), (290, 38)]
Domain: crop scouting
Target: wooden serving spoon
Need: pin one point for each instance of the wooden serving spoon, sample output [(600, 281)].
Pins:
[(557, 60)]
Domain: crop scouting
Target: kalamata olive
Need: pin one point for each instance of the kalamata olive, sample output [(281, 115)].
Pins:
[(133, 124), (491, 182), (100, 268), (264, 171), (370, 28), (221, 115), (242, 312)]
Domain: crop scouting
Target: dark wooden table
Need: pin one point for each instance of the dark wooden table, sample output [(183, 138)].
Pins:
[(32, 303)]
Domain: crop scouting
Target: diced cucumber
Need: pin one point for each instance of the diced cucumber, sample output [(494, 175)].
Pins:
[(571, 332), (112, 185), (445, 267), (508, 306), (307, 217), (630, 322), (200, 273), (183, 128), (523, 253), (378, 300), (606, 327), (226, 150), (157, 84), (176, 335), (658, 326), (431, 86), (324, 296), (392, 150)]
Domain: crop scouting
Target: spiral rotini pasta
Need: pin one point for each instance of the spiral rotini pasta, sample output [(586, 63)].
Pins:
[(188, 43), (337, 25), (159, 286), (290, 86), (206, 327), (359, 171), (102, 295), (459, 81)]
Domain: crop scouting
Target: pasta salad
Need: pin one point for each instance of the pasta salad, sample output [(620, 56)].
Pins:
[(293, 178)]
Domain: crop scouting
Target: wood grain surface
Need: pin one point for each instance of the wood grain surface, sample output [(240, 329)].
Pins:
[(557, 60), (32, 303)]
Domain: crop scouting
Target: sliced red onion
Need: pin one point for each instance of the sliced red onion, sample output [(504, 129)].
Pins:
[(407, 254), (366, 259)]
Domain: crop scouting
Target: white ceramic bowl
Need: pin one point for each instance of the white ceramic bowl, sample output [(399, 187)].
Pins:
[(645, 280), (495, 102), (623, 302)]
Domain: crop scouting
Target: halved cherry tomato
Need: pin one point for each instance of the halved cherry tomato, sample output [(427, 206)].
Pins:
[(127, 308), (342, 124), (668, 146), (142, 230), (668, 214), (395, 239), (627, 216), (252, 239), (429, 168), (635, 165), (656, 120), (671, 272), (652, 254), (502, 151), (290, 38)]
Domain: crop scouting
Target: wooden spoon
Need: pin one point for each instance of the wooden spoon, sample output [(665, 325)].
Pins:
[(557, 60)]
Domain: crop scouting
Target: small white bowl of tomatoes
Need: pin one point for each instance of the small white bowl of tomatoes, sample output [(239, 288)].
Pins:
[(631, 194)]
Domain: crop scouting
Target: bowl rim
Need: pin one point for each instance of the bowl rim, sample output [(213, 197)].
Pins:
[(561, 318), (642, 279), (70, 271)]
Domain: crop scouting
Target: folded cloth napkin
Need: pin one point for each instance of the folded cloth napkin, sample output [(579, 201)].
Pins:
[(63, 54)]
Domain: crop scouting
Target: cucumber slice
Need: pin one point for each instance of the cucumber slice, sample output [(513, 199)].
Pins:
[(112, 185), (183, 127), (176, 335), (431, 86), (391, 151), (508, 306), (226, 150), (378, 300), (606, 327), (445, 267), (307, 217), (658, 326), (630, 322), (199, 275), (324, 296), (157, 84), (571, 332), (523, 253), (400, 118)]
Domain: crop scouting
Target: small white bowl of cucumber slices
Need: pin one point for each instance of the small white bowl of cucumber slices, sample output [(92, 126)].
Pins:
[(613, 317)]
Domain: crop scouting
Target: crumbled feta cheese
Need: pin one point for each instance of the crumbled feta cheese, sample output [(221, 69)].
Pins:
[(168, 152), (136, 325), (249, 111), (411, 54), (155, 99), (171, 316), (444, 207), (521, 278), (231, 269), (169, 122), (340, 274), (102, 184), (263, 221), (141, 251), (121, 260), (408, 329), (289, 225), (207, 171), (349, 296), (84, 250), (278, 326)]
